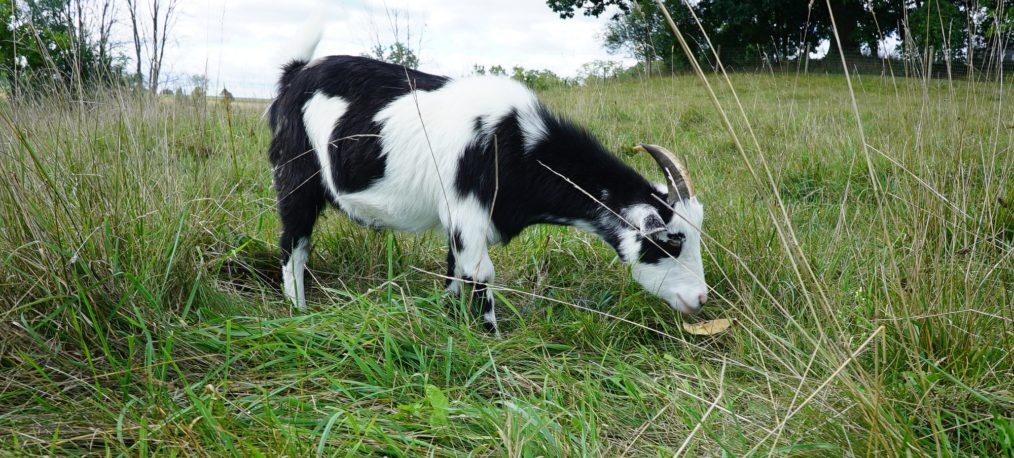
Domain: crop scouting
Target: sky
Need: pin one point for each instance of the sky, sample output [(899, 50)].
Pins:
[(237, 43)]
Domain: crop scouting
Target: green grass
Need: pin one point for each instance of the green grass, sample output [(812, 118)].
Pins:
[(141, 313)]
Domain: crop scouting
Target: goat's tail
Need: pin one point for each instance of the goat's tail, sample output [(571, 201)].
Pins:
[(299, 50)]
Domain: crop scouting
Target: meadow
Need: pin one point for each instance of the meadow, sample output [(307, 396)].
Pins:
[(868, 263)]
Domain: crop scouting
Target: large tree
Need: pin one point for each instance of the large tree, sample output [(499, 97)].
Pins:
[(775, 28), (567, 8), (862, 24)]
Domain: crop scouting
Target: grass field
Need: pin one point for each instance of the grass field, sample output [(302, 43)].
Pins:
[(872, 289)]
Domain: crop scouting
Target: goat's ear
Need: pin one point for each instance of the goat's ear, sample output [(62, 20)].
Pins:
[(651, 225)]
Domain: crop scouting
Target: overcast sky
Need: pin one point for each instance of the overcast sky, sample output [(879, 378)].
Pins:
[(237, 42)]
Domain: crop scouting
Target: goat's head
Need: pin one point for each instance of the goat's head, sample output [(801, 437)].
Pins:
[(662, 238)]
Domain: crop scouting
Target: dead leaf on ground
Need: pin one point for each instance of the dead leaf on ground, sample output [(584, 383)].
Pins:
[(707, 328)]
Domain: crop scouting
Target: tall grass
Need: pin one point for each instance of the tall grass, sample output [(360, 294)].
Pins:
[(141, 311)]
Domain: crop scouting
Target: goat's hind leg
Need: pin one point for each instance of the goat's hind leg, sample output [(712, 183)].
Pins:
[(300, 201)]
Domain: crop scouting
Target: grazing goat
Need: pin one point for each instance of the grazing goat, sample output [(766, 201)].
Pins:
[(479, 157)]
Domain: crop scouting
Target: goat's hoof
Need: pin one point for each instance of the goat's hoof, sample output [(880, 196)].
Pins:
[(491, 329)]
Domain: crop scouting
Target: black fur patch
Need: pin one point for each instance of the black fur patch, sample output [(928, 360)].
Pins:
[(482, 160), (368, 86), (652, 252), (454, 247)]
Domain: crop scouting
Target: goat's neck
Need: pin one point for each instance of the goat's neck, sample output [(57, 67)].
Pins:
[(595, 194)]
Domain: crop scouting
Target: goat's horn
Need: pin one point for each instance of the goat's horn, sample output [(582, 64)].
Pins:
[(673, 170)]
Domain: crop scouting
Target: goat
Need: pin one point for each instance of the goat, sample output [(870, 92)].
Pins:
[(479, 157)]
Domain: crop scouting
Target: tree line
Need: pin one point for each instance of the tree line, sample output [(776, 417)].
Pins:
[(785, 30), (48, 45)]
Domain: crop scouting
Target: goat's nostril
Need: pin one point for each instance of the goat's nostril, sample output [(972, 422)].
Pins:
[(702, 299)]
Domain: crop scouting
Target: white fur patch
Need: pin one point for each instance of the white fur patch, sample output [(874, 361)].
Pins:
[(292, 273), (423, 136), (582, 225), (320, 116), (533, 127), (471, 219), (476, 232), (630, 245), (639, 216)]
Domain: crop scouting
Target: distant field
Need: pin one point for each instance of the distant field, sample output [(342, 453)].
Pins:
[(872, 289)]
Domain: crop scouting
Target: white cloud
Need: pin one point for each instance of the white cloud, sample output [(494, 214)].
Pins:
[(235, 41)]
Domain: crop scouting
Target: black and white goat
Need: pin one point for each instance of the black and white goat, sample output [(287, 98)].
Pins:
[(479, 157)]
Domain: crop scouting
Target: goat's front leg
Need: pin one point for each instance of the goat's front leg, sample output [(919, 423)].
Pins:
[(468, 261)]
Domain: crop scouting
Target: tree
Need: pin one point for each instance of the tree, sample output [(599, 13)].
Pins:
[(600, 70), (105, 29), (861, 23), (396, 53), (777, 29), (932, 25), (537, 79), (495, 70), (399, 51), (227, 99), (162, 15), (135, 27), (638, 29), (567, 8), (48, 44), (200, 86), (642, 33), (998, 21), (162, 12)]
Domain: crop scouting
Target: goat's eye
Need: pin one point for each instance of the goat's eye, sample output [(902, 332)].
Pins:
[(675, 243)]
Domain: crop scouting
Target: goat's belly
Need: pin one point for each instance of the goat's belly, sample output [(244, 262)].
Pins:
[(379, 207)]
